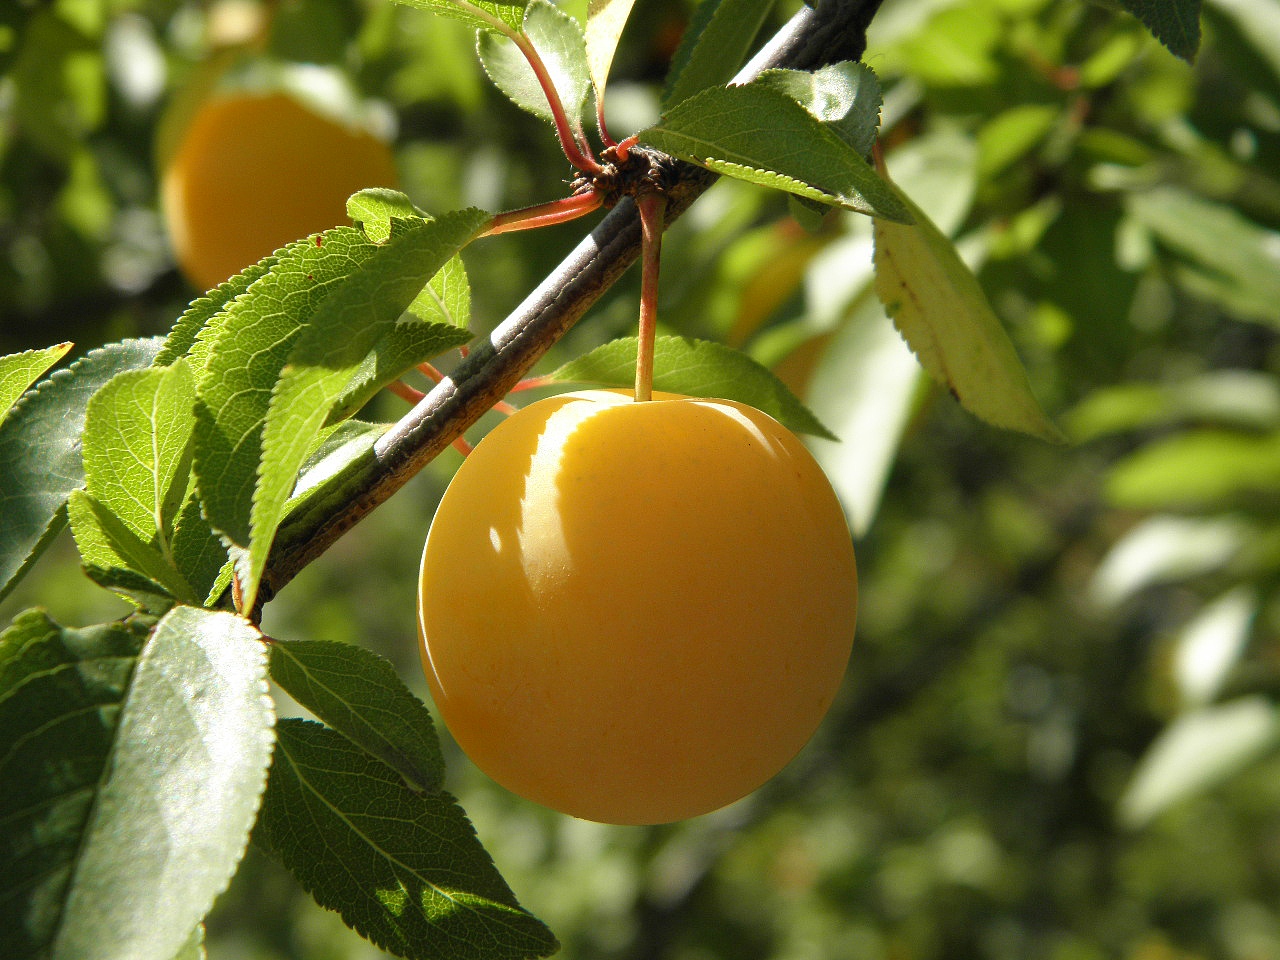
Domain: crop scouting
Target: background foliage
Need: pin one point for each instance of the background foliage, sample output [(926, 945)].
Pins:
[(1058, 732)]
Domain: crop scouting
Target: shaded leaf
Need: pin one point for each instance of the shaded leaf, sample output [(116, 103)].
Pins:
[(359, 694), (559, 41), (186, 724), (115, 557), (761, 135), (1175, 23), (696, 368), (1199, 751), (18, 371), (40, 461), (941, 311), (713, 47), (404, 870)]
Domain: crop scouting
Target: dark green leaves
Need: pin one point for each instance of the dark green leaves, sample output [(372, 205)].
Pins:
[(698, 368), (713, 46), (40, 460), (1175, 23), (164, 738), (405, 870), (762, 135), (360, 695)]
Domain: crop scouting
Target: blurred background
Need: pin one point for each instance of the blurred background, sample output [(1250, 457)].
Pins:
[(1058, 735)]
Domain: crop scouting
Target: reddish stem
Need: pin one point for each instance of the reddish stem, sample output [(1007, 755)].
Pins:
[(572, 141), (544, 214), (624, 148), (532, 383), (652, 207), (405, 392), (604, 130)]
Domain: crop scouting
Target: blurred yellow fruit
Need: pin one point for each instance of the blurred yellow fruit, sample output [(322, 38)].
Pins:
[(255, 171)]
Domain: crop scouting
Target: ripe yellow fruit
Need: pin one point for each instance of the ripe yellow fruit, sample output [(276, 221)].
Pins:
[(636, 612), (253, 172)]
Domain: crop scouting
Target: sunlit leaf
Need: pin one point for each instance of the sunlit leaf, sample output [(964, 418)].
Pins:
[(481, 14), (328, 353), (404, 869), (696, 368), (1198, 468), (942, 312), (761, 135), (1211, 644), (1198, 752), (559, 41), (18, 371), (845, 96), (1230, 258), (605, 21)]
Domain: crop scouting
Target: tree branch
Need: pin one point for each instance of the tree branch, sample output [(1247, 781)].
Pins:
[(834, 31)]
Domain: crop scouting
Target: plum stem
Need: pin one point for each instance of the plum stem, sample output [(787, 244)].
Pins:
[(652, 207)]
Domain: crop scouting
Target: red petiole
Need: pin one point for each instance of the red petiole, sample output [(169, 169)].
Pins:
[(544, 214)]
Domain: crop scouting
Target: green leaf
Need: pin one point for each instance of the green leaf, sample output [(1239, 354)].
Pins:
[(1201, 468), (188, 337), (696, 368), (1231, 259), (845, 96), (605, 22), (40, 462), (131, 780), (761, 135), (137, 433), (374, 209), (198, 552), (401, 349), (559, 41), (1175, 23), (193, 949), (19, 370), (941, 311), (1197, 752), (115, 557), (248, 345), (478, 13), (713, 46), (359, 694), (404, 870), (329, 352), (444, 311)]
